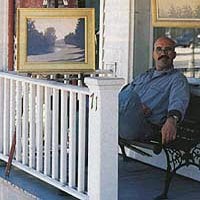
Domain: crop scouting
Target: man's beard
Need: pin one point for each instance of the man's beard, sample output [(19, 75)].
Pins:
[(164, 59), (164, 62)]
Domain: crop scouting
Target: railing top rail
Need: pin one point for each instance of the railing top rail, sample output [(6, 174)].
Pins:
[(46, 83)]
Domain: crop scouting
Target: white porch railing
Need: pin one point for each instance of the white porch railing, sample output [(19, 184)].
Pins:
[(51, 124)]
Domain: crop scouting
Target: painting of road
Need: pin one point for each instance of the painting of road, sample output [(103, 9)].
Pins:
[(56, 40)]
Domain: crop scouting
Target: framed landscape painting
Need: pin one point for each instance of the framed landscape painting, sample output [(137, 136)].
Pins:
[(57, 40), (176, 13)]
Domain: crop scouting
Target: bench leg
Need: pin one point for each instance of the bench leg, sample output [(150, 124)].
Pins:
[(122, 147), (171, 170), (168, 179)]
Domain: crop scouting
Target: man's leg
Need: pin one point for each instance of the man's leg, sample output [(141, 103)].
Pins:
[(132, 122)]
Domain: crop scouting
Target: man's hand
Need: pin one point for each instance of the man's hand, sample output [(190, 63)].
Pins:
[(168, 131), (146, 110)]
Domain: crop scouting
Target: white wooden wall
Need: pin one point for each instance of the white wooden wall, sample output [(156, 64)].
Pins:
[(3, 34), (126, 36), (116, 36)]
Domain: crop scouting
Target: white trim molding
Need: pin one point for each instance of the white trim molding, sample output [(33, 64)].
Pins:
[(4, 35)]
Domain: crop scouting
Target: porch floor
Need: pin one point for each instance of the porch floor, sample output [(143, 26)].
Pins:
[(137, 181)]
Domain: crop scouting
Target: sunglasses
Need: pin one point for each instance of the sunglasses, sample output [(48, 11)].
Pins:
[(166, 50)]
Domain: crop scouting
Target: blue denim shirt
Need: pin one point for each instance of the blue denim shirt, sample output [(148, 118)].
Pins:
[(162, 92)]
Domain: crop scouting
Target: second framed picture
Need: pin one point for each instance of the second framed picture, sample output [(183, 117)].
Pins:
[(176, 13)]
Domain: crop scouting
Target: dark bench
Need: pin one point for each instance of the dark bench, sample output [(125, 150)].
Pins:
[(183, 151)]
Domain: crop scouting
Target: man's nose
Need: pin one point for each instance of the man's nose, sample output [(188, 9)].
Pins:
[(164, 52)]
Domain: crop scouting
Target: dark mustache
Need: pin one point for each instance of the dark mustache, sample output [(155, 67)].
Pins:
[(163, 56)]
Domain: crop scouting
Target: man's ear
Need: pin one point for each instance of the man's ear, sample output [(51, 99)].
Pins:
[(153, 54)]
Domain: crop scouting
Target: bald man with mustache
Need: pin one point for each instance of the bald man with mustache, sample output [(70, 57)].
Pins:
[(157, 98)]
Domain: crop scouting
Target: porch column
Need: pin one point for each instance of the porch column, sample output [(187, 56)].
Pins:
[(103, 138)]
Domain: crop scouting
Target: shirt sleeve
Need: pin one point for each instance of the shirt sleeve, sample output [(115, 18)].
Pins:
[(179, 95)]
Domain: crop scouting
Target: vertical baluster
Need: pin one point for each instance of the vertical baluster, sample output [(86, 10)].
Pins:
[(47, 131), (25, 125), (18, 120), (1, 111), (55, 135), (32, 108), (63, 145), (12, 108), (81, 142), (72, 140), (6, 116), (39, 131)]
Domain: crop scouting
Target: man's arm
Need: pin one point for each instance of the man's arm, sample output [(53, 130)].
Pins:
[(178, 102)]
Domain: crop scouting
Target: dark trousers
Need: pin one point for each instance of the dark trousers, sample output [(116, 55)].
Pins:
[(132, 123)]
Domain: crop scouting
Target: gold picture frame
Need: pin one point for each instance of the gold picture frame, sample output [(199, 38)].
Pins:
[(176, 13), (55, 40)]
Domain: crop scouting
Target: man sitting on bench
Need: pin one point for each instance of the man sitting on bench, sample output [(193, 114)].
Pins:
[(158, 97)]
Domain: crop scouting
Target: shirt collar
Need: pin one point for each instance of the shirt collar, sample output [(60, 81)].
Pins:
[(156, 73)]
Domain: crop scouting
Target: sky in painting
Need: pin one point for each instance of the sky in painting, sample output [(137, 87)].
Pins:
[(62, 26)]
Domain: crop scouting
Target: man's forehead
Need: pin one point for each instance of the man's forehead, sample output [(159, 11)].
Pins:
[(164, 42)]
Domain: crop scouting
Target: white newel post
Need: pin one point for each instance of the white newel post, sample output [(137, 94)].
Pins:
[(103, 138)]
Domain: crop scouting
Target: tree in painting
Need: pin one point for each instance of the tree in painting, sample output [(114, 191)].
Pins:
[(184, 12), (39, 42), (77, 38), (50, 38), (197, 12)]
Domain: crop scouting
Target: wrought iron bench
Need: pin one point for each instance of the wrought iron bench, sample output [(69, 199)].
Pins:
[(184, 151)]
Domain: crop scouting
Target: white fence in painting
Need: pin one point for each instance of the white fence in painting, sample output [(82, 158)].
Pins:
[(55, 125)]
